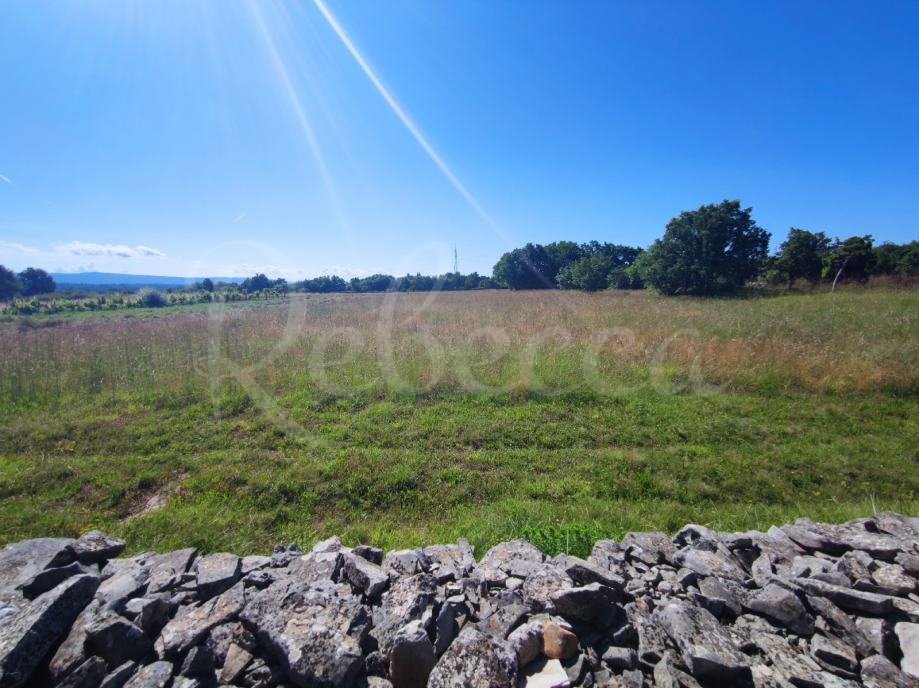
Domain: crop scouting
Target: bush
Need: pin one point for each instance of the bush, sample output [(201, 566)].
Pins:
[(150, 298)]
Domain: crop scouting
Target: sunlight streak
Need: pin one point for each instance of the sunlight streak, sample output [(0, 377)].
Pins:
[(407, 121), (300, 113)]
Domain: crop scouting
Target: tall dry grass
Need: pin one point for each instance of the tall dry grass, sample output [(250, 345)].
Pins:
[(477, 342)]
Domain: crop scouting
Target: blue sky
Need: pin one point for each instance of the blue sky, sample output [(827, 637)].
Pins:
[(222, 137)]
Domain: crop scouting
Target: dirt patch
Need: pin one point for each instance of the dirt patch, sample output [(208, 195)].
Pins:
[(149, 501)]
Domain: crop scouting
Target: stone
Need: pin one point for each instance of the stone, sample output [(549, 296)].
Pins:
[(411, 658), (706, 561), (372, 554), (156, 675), (166, 570), (72, 651), (363, 575), (95, 547), (848, 598), (504, 619), (516, 558), (88, 675), (235, 663), (283, 555), (879, 636), (583, 572), (28, 634), (650, 548), (879, 672), (620, 658), (149, 614), (447, 625), (117, 640), (892, 579), (834, 656), (407, 599), (586, 603), (544, 673), (121, 587), (720, 596), (21, 562), (50, 578), (831, 620), (527, 641), (782, 607), (406, 562), (706, 648), (187, 630), (450, 561), (908, 635), (475, 660), (537, 589), (119, 676), (199, 662), (316, 566), (253, 562), (217, 573), (558, 642), (668, 675), (314, 631)]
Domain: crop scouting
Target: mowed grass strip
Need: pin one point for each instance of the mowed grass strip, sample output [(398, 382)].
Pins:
[(397, 422)]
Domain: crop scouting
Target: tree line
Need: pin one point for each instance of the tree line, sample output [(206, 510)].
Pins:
[(29, 282), (716, 249)]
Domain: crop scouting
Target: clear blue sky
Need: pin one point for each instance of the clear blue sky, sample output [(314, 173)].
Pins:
[(184, 137)]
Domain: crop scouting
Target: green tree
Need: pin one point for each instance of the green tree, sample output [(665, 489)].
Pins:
[(36, 281), (255, 283), (801, 255), (207, 284), (529, 267), (9, 285), (714, 249), (588, 274), (896, 259), (851, 259)]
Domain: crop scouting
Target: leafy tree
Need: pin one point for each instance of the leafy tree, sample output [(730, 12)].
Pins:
[(150, 298), (896, 259), (854, 256), (714, 249), (801, 256), (529, 267), (36, 281), (255, 283), (376, 282), (207, 284), (9, 285), (561, 254), (588, 274)]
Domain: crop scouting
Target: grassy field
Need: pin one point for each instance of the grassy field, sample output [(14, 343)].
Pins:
[(405, 419)]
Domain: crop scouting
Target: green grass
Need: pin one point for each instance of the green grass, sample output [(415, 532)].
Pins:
[(758, 412)]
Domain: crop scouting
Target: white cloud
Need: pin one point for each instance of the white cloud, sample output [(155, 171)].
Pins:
[(147, 251), (85, 248), (4, 178), (13, 247)]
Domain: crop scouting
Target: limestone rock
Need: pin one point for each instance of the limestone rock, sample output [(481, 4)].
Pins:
[(411, 658), (908, 635), (706, 649), (27, 635), (217, 573), (783, 607), (95, 547), (186, 630), (475, 660)]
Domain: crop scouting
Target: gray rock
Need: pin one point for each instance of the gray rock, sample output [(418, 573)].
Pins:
[(313, 630), (542, 583), (411, 658), (879, 636), (88, 675), (720, 596), (453, 612), (620, 658), (27, 635), (156, 675), (517, 558), (253, 562), (848, 598), (283, 555), (706, 649), (709, 562), (667, 675), (149, 614), (199, 662), (95, 547), (503, 620), (908, 635), (583, 572), (50, 578), (587, 603), (166, 570), (650, 548), (782, 607), (909, 562), (879, 672), (363, 575), (116, 590), (544, 673), (188, 629), (408, 599), (20, 562), (235, 663), (117, 640), (372, 554), (892, 579), (406, 562), (527, 641), (834, 656), (119, 676), (316, 566), (217, 573), (450, 561), (831, 620), (475, 660), (72, 652)]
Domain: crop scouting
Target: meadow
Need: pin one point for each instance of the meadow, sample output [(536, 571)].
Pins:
[(404, 419)]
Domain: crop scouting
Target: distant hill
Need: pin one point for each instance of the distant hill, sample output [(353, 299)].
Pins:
[(111, 281)]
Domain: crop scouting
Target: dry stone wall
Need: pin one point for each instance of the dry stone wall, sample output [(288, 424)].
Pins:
[(802, 605)]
